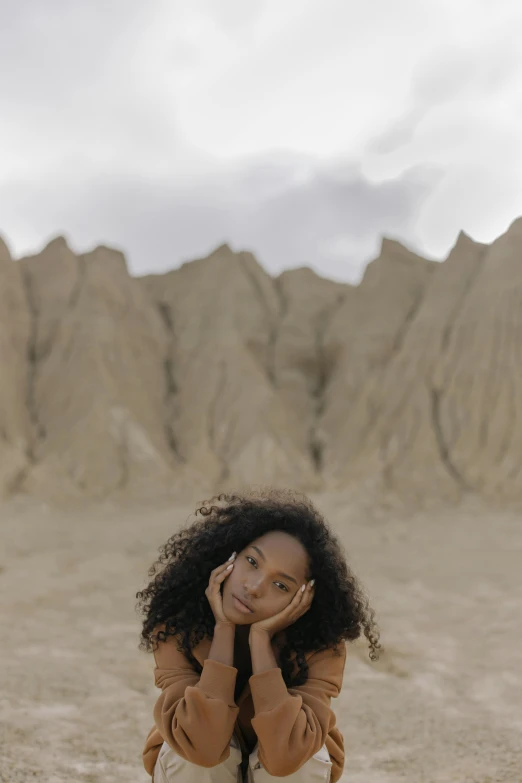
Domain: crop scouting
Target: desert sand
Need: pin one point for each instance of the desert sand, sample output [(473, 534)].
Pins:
[(396, 404), (441, 706)]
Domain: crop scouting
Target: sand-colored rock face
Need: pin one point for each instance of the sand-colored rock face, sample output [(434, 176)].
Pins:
[(479, 378), (370, 329), (227, 417), (216, 374), (15, 426), (390, 377), (97, 391)]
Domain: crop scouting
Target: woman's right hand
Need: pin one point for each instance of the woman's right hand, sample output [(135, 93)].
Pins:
[(213, 591)]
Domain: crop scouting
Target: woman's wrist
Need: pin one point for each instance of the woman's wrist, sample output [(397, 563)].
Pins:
[(259, 632), (222, 647), (261, 651), (224, 624)]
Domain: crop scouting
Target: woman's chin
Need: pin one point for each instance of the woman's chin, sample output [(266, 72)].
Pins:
[(239, 618), (235, 615)]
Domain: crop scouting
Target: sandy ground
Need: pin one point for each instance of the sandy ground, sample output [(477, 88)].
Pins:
[(444, 704)]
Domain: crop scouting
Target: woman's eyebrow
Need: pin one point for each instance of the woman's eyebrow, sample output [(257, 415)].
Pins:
[(286, 576)]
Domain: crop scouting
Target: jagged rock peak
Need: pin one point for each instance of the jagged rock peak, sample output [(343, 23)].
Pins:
[(221, 253), (515, 226), (57, 243), (387, 243), (464, 241), (301, 271), (392, 249), (4, 250), (104, 255), (222, 250)]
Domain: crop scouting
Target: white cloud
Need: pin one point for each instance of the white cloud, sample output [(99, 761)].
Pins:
[(297, 213), (464, 116), (301, 130)]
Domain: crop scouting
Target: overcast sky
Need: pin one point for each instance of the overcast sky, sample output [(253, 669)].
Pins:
[(302, 130)]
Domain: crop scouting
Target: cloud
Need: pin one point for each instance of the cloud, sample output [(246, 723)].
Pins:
[(234, 15), (455, 74), (463, 116), (290, 213), (302, 131)]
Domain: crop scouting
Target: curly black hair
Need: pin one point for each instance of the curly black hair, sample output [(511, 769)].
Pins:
[(175, 597)]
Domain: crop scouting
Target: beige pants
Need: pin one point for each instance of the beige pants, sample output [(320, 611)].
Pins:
[(172, 768)]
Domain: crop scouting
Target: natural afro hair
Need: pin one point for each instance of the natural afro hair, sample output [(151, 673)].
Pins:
[(175, 597)]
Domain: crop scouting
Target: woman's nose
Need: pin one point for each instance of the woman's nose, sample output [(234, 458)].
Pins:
[(254, 588)]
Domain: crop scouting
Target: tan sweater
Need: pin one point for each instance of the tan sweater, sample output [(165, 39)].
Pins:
[(196, 713)]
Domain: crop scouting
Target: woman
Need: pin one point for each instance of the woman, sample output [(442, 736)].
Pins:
[(247, 614)]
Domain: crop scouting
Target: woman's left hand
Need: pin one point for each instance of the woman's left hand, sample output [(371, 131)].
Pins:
[(299, 604)]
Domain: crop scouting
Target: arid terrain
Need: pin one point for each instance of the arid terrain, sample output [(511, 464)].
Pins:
[(216, 373), (396, 404), (441, 706)]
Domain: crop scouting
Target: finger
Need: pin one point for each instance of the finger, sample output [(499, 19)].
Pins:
[(307, 599), (217, 580), (298, 597), (223, 575), (290, 613), (310, 590), (303, 599), (300, 611)]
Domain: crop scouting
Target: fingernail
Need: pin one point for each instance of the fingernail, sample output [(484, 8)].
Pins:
[(312, 583), (232, 556), (229, 567), (302, 588)]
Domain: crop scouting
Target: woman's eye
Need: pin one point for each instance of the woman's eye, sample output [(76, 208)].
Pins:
[(284, 587)]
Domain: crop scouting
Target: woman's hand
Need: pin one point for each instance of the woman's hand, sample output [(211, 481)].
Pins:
[(299, 604), (213, 591)]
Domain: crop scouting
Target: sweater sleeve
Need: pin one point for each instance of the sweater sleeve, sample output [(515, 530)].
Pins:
[(195, 714), (292, 723)]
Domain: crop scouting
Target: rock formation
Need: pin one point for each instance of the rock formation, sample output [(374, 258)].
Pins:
[(15, 330), (96, 356), (215, 374)]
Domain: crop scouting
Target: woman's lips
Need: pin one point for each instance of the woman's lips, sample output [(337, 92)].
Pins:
[(241, 606)]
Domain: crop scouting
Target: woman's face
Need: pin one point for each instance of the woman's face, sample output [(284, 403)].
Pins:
[(266, 575)]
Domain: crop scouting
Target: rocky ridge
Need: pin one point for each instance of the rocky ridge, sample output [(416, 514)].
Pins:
[(216, 375)]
